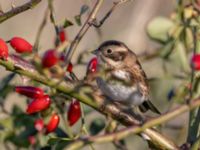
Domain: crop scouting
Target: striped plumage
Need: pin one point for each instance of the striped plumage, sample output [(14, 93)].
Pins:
[(121, 77)]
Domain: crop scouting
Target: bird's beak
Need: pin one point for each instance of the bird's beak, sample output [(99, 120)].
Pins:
[(95, 52)]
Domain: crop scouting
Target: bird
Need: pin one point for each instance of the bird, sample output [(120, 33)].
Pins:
[(121, 77)]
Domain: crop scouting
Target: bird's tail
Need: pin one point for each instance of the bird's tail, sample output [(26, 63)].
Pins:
[(147, 105)]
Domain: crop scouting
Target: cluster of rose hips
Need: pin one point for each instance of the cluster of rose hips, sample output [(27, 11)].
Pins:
[(20, 45), (41, 101)]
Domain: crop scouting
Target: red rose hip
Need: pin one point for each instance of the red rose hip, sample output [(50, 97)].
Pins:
[(32, 140), (53, 123), (62, 35), (21, 45), (30, 91), (70, 67), (74, 112), (39, 104), (92, 66), (50, 58), (3, 49), (195, 62), (39, 124)]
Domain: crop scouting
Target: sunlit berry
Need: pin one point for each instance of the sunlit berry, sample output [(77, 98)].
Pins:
[(70, 67), (32, 140), (50, 58), (30, 91), (21, 45), (195, 62), (62, 35), (38, 104), (3, 49), (92, 66), (39, 124), (53, 123), (74, 112)]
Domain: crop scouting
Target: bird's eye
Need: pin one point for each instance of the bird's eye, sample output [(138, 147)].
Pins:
[(109, 51)]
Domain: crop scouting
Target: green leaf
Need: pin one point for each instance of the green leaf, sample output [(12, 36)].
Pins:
[(188, 38), (167, 49), (18, 141), (55, 140), (198, 46), (158, 28), (183, 59), (6, 91), (5, 81), (87, 110), (52, 18), (7, 123), (23, 120), (96, 126), (16, 110), (61, 145), (78, 19), (5, 88), (84, 9), (67, 23)]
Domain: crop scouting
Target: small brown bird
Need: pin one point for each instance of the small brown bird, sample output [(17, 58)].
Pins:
[(121, 77)]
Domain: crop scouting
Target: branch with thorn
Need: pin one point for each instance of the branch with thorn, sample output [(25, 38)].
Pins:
[(81, 142), (90, 21), (17, 10)]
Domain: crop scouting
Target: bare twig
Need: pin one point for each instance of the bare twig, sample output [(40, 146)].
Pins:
[(90, 21), (17, 10), (136, 129), (1, 10), (115, 4), (146, 55), (83, 30), (52, 16), (42, 25)]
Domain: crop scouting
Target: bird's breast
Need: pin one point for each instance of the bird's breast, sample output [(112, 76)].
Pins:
[(121, 74), (116, 91)]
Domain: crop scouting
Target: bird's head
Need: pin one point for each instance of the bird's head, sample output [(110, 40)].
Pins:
[(112, 53)]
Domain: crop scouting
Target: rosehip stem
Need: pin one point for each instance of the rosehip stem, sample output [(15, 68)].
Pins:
[(73, 76)]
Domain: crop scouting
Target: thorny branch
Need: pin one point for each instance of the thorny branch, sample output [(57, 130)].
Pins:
[(135, 129), (82, 31), (90, 21), (86, 95), (115, 4), (194, 120), (17, 10)]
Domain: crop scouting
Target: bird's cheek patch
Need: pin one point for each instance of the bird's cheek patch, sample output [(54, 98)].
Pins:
[(117, 56), (122, 56)]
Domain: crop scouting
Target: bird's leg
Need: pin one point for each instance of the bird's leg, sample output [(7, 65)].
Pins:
[(133, 111)]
